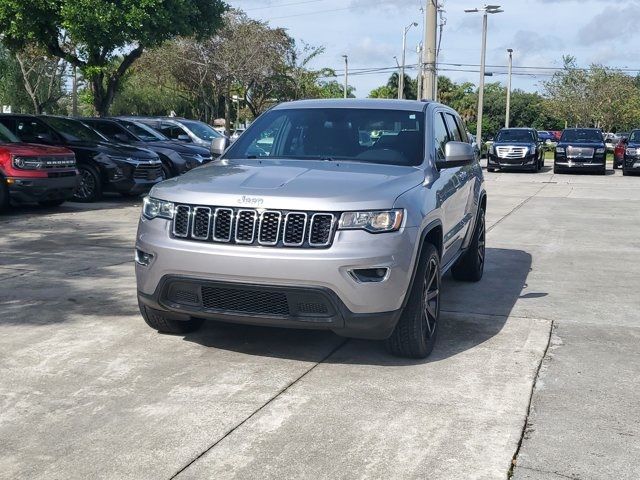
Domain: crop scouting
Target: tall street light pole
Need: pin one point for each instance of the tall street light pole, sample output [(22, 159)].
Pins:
[(506, 118), (485, 10), (346, 74), (404, 48)]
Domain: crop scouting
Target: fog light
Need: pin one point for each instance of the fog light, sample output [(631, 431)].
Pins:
[(368, 275), (143, 258)]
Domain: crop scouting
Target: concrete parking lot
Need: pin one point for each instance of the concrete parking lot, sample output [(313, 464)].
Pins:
[(535, 375)]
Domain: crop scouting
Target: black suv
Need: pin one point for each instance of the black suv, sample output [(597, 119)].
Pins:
[(177, 158), (581, 149), (103, 166), (516, 148), (631, 161)]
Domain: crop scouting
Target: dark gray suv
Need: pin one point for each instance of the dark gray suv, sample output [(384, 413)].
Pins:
[(327, 214)]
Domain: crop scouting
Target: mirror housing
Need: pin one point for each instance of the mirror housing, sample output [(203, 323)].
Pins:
[(218, 146), (456, 154), (184, 138)]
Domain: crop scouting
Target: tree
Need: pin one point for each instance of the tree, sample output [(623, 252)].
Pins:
[(104, 37), (43, 78)]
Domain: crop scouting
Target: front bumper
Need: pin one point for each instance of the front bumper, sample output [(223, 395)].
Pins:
[(632, 163), (36, 189), (131, 185), (597, 163), (370, 308), (529, 161)]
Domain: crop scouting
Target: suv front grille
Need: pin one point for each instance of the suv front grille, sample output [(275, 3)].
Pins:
[(512, 152), (271, 228), (245, 301), (148, 171)]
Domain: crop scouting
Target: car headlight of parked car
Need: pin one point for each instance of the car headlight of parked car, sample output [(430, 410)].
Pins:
[(600, 150), (631, 151), (532, 149), (156, 208), (560, 149), (372, 221), (27, 163)]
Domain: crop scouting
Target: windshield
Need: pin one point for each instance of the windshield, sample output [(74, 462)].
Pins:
[(363, 135), (72, 130), (592, 136), (143, 132), (201, 130), (515, 136), (6, 136), (634, 136)]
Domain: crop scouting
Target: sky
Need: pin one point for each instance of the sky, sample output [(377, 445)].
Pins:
[(540, 32)]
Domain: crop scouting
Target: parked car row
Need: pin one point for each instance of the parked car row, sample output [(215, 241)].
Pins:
[(121, 155), (581, 149)]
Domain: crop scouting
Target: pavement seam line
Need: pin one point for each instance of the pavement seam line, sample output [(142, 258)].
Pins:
[(516, 208), (514, 458), (259, 409), (554, 473)]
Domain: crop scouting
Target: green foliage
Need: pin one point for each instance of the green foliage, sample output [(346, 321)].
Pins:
[(12, 90), (390, 90), (96, 32)]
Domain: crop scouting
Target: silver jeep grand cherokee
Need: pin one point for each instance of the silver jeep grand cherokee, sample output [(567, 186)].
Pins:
[(324, 214)]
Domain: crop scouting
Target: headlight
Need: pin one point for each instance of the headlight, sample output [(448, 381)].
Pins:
[(631, 151), (560, 149), (492, 150), (152, 208), (373, 221), (532, 149), (27, 163), (600, 150)]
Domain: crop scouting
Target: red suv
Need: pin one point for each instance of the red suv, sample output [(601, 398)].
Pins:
[(35, 173)]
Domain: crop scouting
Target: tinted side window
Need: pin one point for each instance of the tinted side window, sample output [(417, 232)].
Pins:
[(10, 123), (454, 131), (440, 135), (107, 129), (32, 130)]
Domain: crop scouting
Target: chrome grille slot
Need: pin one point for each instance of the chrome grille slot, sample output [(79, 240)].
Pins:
[(321, 229), (201, 223), (245, 226), (255, 227), (181, 221), (269, 228), (295, 226), (223, 219)]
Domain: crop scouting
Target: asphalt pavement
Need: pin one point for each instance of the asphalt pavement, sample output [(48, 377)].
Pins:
[(535, 374)]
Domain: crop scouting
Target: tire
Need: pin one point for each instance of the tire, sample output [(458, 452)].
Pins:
[(4, 195), (624, 171), (556, 169), (89, 189), (615, 165), (166, 172), (51, 203), (162, 324), (416, 331), (470, 267), (491, 169)]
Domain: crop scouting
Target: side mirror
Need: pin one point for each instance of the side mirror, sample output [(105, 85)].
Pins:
[(456, 154), (184, 138), (218, 146)]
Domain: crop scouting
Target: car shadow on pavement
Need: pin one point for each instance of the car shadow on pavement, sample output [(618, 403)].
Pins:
[(108, 201), (472, 313)]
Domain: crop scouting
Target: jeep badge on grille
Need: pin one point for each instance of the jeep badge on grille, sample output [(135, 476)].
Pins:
[(254, 201)]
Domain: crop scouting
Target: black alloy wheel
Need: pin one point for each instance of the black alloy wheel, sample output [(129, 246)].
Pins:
[(431, 300), (88, 189)]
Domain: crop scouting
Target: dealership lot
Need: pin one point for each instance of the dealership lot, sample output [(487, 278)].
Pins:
[(89, 391)]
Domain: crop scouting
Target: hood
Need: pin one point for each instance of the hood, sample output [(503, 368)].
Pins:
[(115, 149), (581, 144), (630, 144), (177, 147), (513, 144), (292, 184), (34, 149)]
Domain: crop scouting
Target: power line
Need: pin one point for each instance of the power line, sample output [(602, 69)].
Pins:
[(278, 5), (333, 10)]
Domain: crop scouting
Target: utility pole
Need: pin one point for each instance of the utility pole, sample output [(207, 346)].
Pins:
[(346, 74), (429, 51), (506, 119), (74, 93), (420, 72)]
